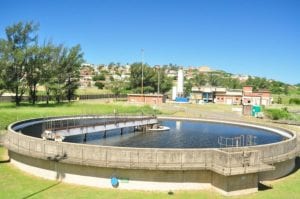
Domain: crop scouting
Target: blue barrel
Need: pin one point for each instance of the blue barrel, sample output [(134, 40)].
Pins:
[(114, 182)]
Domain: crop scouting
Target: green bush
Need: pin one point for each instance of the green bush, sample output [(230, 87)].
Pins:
[(294, 101), (276, 114), (100, 85), (100, 77)]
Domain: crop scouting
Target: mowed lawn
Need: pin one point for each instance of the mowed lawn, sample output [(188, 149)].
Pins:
[(17, 184), (10, 113)]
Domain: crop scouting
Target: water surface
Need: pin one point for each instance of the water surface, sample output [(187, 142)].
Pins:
[(183, 134)]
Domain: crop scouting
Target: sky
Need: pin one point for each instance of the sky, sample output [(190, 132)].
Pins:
[(255, 37)]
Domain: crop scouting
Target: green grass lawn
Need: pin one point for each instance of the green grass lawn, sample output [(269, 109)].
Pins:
[(17, 184), (285, 98), (10, 113)]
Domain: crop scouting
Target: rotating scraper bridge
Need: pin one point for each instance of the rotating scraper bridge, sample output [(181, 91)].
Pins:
[(83, 125)]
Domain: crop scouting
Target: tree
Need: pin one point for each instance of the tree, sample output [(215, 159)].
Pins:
[(100, 77), (136, 78), (37, 59), (71, 65), (165, 83), (150, 80), (117, 87), (58, 76), (279, 100), (2, 68), (99, 85), (230, 82), (298, 89), (50, 70), (213, 79), (286, 89), (15, 56), (200, 79), (188, 88), (25, 64), (276, 87)]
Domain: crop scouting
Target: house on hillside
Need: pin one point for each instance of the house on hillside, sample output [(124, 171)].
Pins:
[(171, 73), (204, 69), (86, 76), (241, 78)]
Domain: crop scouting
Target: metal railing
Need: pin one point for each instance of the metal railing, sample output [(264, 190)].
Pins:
[(41, 98), (91, 120), (222, 161)]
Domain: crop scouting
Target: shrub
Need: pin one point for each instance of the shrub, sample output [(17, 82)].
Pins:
[(100, 77), (294, 101), (100, 85), (276, 114)]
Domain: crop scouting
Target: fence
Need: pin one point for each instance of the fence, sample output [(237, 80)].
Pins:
[(42, 98)]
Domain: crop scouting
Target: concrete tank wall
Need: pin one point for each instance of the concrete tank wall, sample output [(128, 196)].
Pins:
[(230, 171), (236, 184), (100, 177), (281, 169)]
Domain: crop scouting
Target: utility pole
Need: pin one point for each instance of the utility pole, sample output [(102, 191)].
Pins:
[(158, 69), (158, 76), (142, 51)]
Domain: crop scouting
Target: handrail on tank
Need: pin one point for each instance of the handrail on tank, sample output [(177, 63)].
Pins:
[(245, 159)]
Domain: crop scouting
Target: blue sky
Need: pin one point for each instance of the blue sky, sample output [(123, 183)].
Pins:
[(256, 37)]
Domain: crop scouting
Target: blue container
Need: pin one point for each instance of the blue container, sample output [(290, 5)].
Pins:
[(181, 99), (114, 182)]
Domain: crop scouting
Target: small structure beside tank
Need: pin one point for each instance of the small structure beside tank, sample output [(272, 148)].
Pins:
[(146, 98)]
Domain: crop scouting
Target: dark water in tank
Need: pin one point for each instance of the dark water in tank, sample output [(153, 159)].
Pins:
[(183, 134)]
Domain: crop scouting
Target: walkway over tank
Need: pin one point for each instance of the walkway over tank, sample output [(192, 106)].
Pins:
[(71, 126)]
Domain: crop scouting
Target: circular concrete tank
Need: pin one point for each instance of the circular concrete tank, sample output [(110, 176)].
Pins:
[(230, 171)]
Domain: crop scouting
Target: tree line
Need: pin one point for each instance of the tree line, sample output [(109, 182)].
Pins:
[(25, 64), (223, 79), (154, 79), (143, 79)]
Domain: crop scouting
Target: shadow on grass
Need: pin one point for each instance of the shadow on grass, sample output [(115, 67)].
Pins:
[(42, 190), (264, 187), (59, 175), (5, 161)]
